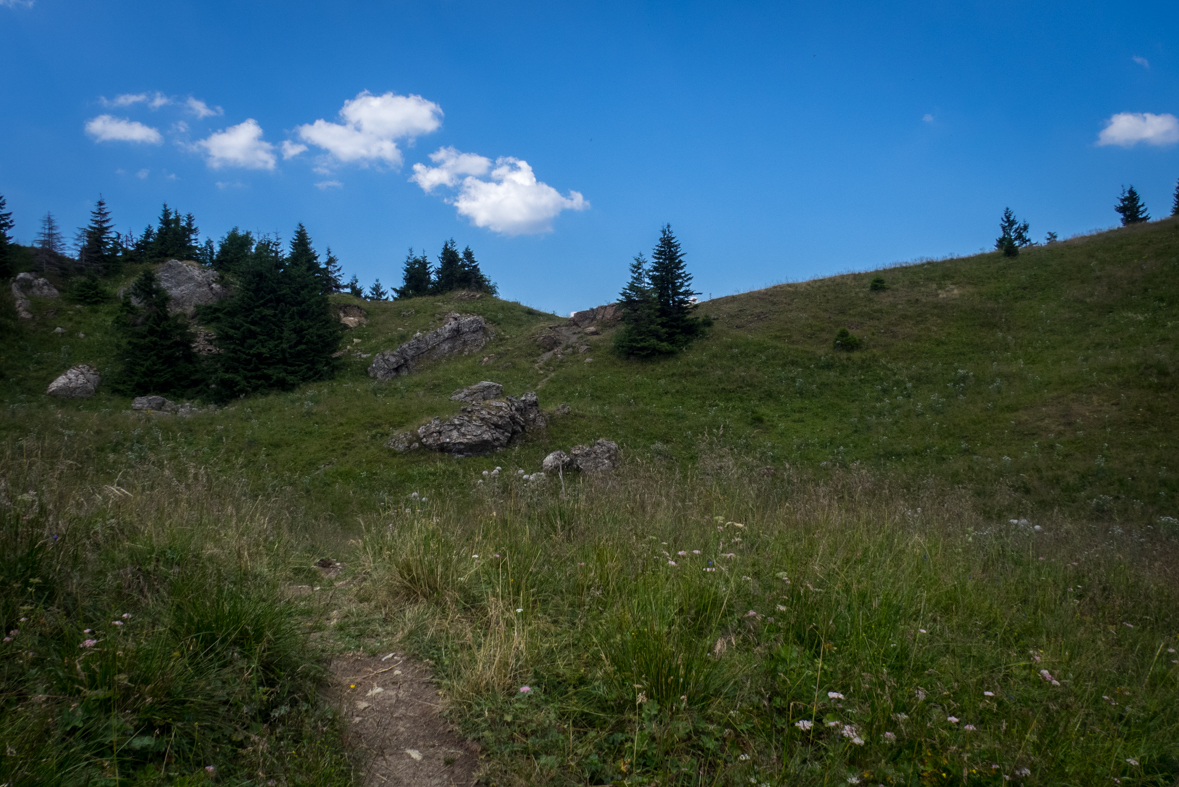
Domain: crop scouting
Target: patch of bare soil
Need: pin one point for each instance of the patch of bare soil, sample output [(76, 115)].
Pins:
[(395, 727)]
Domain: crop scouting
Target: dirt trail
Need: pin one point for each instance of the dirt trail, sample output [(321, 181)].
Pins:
[(394, 724)]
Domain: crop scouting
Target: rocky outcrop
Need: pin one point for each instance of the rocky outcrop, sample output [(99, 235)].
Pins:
[(158, 404), (188, 285), (601, 316), (479, 392), (27, 285), (403, 441), (483, 428), (602, 455), (351, 315), (460, 333), (79, 382)]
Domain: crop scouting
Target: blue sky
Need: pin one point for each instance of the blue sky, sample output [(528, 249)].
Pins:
[(781, 141)]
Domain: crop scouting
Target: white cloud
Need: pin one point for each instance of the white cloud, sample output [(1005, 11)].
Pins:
[(16, 3), (511, 201), (107, 128), (291, 149), (1142, 61), (324, 185), (451, 163), (201, 109), (928, 118), (1129, 128), (142, 174), (239, 146), (154, 100), (372, 125), (180, 127), (231, 184)]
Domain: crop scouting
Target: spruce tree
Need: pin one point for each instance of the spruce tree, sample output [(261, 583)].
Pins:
[(1174, 205), (234, 251), (471, 277), (6, 262), (377, 292), (311, 335), (671, 285), (354, 288), (641, 335), (334, 271), (250, 328), (100, 251), (155, 353), (450, 266), (415, 276), (1130, 208), (1014, 234), (50, 252)]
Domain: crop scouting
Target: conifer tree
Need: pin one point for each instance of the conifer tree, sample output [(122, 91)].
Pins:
[(6, 261), (155, 354), (251, 327), (377, 292), (1130, 208), (335, 272), (50, 252), (450, 266), (415, 276), (234, 251), (641, 335), (671, 285), (1174, 205), (354, 288), (311, 334), (471, 277), (1014, 234), (100, 251)]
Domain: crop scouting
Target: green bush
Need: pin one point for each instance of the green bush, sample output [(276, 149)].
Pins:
[(845, 341), (89, 291), (878, 284)]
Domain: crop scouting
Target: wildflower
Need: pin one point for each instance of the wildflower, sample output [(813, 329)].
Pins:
[(988, 694), (853, 779), (730, 554), (475, 557), (970, 728), (804, 724), (209, 768), (116, 622), (952, 719), (14, 632), (832, 724), (525, 689), (519, 609), (751, 614), (1131, 760), (835, 695), (920, 692), (1128, 625), (1169, 650), (1023, 772), (900, 716), (22, 620), (781, 608), (743, 757), (126, 616), (85, 631), (695, 551), (671, 562), (890, 736), (88, 643), (923, 631), (8, 639), (681, 553)]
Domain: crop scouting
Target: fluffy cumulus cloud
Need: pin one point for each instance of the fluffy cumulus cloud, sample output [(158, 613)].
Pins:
[(371, 126), (1127, 129), (507, 199), (291, 149), (201, 109), (107, 128), (238, 146)]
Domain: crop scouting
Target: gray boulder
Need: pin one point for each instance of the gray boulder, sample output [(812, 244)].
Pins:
[(485, 427), (599, 315), (460, 333), (600, 456), (556, 462), (79, 382), (479, 392), (351, 315), (188, 285), (154, 403), (24, 286)]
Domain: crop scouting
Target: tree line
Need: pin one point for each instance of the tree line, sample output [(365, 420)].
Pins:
[(454, 271)]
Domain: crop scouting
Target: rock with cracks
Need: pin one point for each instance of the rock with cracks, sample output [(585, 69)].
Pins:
[(26, 286), (479, 392), (485, 427), (350, 315), (460, 333), (600, 456), (556, 462), (79, 382)]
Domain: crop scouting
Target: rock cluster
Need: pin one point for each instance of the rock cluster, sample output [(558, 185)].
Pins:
[(79, 382), (479, 392), (601, 316), (460, 333), (158, 404), (600, 456), (485, 427), (26, 286), (351, 315)]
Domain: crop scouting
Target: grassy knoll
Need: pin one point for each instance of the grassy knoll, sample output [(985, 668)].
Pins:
[(946, 557)]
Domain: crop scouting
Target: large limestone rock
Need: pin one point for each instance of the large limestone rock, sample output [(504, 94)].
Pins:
[(601, 316), (26, 285), (188, 285), (79, 382), (479, 392), (556, 462), (485, 427), (600, 456), (460, 333), (154, 404)]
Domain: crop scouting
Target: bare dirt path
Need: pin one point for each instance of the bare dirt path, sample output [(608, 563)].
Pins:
[(394, 724)]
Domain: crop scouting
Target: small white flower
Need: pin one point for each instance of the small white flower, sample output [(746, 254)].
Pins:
[(804, 724), (1131, 760), (743, 757), (952, 719), (835, 695), (519, 609), (988, 694)]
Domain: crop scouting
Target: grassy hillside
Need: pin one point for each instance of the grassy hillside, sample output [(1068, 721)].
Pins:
[(947, 557)]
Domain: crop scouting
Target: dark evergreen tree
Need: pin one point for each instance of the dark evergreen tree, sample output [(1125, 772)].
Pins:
[(207, 253), (377, 292), (233, 252), (1174, 205), (450, 267), (251, 326), (50, 249), (6, 262), (671, 286), (1014, 234), (471, 277), (415, 276), (1130, 208), (303, 256), (88, 290), (175, 238), (1050, 238), (155, 353), (641, 335), (354, 288), (100, 252), (334, 271), (311, 334)]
